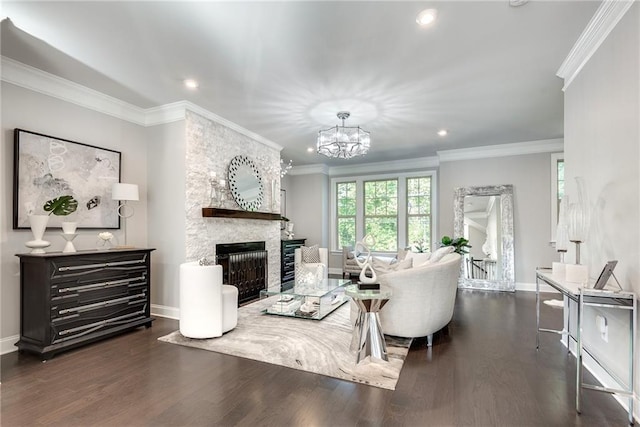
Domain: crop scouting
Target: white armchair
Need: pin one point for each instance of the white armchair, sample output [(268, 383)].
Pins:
[(207, 307), (423, 298), (324, 261)]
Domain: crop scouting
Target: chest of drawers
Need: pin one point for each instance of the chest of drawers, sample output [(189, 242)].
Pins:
[(70, 299), (287, 267)]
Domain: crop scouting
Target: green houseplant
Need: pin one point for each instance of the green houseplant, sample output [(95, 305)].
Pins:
[(63, 206), (460, 244)]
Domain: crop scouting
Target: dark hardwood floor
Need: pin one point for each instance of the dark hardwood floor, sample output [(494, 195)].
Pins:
[(486, 372)]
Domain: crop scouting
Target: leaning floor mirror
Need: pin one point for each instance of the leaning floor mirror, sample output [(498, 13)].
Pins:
[(484, 216)]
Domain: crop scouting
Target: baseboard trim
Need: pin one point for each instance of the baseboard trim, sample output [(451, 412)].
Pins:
[(7, 345), (531, 287), (165, 311), (334, 270)]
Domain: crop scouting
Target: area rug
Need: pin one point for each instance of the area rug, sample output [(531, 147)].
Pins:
[(321, 347)]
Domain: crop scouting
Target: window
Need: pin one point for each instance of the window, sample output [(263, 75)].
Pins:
[(557, 189), (346, 217), (560, 181), (381, 213), (419, 211), (397, 209)]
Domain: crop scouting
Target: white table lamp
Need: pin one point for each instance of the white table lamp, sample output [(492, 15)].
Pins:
[(123, 193)]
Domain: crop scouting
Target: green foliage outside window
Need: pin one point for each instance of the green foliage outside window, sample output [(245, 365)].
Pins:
[(381, 213), (419, 212), (346, 218)]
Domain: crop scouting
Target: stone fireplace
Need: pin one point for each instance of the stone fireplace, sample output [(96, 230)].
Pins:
[(210, 146)]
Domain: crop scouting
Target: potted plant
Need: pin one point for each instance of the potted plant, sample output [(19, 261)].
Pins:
[(63, 206), (460, 244)]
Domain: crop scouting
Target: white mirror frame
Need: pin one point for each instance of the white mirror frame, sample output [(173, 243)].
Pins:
[(507, 281)]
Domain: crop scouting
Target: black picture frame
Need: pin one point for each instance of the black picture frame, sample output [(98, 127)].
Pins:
[(605, 274), (46, 167)]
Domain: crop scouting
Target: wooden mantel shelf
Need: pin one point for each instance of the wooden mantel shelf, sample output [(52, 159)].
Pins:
[(232, 213)]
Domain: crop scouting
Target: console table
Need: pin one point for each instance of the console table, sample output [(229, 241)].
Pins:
[(589, 297), (71, 299)]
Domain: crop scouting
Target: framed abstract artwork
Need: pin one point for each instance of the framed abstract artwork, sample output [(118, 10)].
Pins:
[(46, 167)]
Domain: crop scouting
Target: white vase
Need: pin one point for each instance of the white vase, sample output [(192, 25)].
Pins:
[(69, 227), (38, 225)]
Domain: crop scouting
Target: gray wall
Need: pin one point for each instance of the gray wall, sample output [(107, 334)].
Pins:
[(531, 179), (166, 198), (32, 111), (602, 122), (308, 207)]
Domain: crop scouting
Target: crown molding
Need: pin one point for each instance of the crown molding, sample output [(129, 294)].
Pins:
[(601, 24), (31, 78), (419, 163), (309, 169), (422, 163), (503, 150), (368, 168)]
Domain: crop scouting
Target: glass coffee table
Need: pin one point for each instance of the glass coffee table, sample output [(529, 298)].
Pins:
[(306, 301)]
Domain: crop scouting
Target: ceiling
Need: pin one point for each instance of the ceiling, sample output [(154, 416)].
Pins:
[(485, 71)]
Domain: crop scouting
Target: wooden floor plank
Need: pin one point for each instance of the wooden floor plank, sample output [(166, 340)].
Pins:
[(486, 371)]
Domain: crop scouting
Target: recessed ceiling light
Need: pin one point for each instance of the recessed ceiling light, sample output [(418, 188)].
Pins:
[(310, 150), (426, 17), (191, 84), (442, 132)]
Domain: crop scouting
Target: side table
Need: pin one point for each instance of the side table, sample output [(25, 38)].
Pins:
[(368, 338)]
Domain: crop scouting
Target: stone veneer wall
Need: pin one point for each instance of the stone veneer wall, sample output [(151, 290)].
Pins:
[(210, 147)]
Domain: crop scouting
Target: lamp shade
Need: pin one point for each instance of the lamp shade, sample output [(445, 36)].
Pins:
[(121, 191)]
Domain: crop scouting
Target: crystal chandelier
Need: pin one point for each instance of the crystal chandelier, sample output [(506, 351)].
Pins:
[(343, 142)]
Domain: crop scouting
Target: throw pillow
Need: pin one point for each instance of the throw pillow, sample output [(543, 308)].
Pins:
[(351, 255), (402, 253), (440, 253), (309, 275), (418, 257), (311, 254), (382, 267)]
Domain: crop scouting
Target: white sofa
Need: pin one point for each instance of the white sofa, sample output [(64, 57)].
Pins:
[(423, 298)]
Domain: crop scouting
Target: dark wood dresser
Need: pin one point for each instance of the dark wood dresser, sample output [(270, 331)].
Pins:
[(287, 253), (71, 299)]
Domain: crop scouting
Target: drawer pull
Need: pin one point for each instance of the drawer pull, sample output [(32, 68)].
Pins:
[(102, 265), (98, 325), (101, 285), (102, 304)]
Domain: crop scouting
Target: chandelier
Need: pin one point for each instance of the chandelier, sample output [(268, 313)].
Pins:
[(343, 142)]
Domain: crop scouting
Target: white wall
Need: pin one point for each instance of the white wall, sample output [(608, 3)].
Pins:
[(25, 109), (308, 208), (602, 136), (530, 176), (166, 198)]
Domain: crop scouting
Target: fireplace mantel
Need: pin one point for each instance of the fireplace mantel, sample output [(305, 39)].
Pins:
[(232, 213)]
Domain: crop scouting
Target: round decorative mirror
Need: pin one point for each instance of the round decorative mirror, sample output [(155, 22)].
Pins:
[(245, 183)]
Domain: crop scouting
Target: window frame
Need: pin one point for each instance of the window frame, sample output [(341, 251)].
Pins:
[(396, 216), (402, 205), (408, 215), (336, 216)]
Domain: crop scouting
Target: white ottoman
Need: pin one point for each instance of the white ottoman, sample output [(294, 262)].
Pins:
[(207, 308)]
